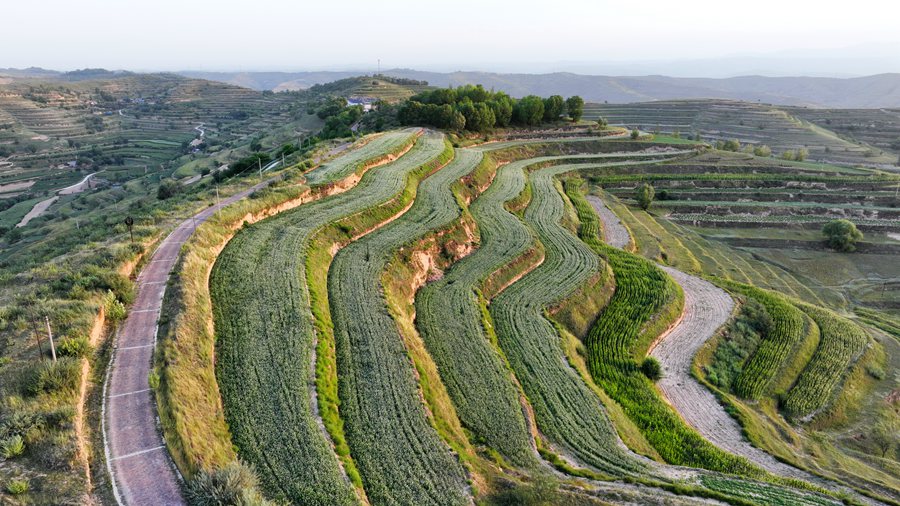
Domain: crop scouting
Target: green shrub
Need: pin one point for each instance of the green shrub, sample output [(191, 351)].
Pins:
[(74, 347), (115, 310), (235, 484), (17, 487), (651, 368), (50, 377), (12, 447), (875, 371)]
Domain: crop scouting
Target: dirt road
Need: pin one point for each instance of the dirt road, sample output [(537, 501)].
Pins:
[(706, 308), (137, 460)]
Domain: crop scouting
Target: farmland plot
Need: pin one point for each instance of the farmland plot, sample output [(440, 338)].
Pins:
[(384, 145), (265, 338), (566, 410), (841, 344), (401, 457)]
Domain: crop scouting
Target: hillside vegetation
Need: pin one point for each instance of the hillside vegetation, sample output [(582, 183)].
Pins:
[(430, 314)]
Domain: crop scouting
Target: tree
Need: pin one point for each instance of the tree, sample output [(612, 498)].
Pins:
[(479, 116), (762, 150), (602, 123), (553, 107), (575, 107), (886, 432), (635, 134), (168, 188), (644, 195), (502, 106), (842, 235), (529, 110), (732, 145), (801, 154)]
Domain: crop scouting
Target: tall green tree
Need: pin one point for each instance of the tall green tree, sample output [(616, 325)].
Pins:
[(575, 107), (553, 107), (529, 111), (502, 106), (479, 115), (644, 195)]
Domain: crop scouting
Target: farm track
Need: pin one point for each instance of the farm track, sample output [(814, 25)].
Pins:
[(140, 469), (266, 321), (706, 309), (401, 457)]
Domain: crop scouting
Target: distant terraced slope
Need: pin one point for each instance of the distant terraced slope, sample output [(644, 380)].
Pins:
[(750, 123)]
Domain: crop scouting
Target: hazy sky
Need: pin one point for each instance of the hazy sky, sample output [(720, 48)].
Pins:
[(448, 35)]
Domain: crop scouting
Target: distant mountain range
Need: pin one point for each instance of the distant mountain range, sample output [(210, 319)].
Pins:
[(877, 91)]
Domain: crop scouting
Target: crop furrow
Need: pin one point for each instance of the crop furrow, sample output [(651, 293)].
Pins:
[(401, 457), (263, 323)]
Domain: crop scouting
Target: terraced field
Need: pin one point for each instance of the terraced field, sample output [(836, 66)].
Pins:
[(254, 327), (754, 124), (347, 377)]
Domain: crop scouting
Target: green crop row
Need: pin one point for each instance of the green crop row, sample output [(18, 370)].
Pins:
[(841, 344), (622, 178), (567, 412), (787, 331), (879, 320), (767, 494), (265, 340), (450, 320), (381, 148), (401, 457)]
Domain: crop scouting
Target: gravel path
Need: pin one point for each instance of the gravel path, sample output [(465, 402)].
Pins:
[(706, 308), (37, 210), (136, 457), (614, 233)]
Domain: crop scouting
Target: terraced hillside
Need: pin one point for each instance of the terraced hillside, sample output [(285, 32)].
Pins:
[(751, 124), (405, 332), (879, 128)]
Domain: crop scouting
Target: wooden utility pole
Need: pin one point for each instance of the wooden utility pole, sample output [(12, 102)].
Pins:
[(37, 335), (50, 336), (259, 162)]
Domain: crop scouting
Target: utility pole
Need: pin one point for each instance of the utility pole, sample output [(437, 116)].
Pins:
[(50, 336), (37, 335), (259, 161), (282, 159)]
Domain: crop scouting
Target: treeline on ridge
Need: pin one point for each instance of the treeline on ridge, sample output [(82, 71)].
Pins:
[(471, 107)]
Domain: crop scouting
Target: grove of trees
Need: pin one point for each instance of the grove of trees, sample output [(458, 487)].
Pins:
[(473, 108)]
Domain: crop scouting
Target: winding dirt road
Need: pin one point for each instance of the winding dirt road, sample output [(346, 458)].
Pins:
[(706, 308)]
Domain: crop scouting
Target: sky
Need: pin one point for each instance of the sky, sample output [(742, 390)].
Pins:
[(589, 36)]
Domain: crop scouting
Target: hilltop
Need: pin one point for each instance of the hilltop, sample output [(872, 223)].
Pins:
[(875, 91)]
